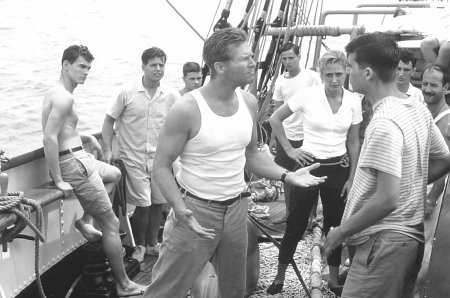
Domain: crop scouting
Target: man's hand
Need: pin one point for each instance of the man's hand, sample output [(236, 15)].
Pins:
[(65, 187), (108, 157), (273, 145), (300, 156), (334, 239), (95, 146), (303, 178), (429, 207), (346, 189), (187, 216)]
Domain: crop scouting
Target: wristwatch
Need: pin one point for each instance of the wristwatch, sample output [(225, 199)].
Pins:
[(283, 176)]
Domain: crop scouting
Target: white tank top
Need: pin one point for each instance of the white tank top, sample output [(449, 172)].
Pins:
[(212, 162)]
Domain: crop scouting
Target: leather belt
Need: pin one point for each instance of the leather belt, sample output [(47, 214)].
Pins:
[(70, 150), (343, 161), (223, 203)]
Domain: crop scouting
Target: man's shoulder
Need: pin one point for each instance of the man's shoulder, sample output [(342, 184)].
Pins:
[(58, 93)]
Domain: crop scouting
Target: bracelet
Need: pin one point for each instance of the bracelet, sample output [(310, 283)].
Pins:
[(283, 176), (430, 202)]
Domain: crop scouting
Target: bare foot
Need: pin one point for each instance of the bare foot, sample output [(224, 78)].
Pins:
[(88, 231), (133, 290)]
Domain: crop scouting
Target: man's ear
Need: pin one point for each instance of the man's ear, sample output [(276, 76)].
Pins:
[(368, 73), (446, 85), (219, 67)]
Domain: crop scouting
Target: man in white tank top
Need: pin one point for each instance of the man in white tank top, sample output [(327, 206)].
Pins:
[(213, 131), (434, 85)]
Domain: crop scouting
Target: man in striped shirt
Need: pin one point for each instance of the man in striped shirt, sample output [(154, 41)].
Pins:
[(402, 151)]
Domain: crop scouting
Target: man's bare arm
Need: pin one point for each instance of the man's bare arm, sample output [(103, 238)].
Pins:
[(55, 122), (107, 136), (261, 164), (171, 141)]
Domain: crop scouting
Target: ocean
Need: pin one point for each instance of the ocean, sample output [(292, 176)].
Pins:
[(33, 35)]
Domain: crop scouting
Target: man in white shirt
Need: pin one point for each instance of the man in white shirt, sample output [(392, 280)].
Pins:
[(405, 69), (286, 86)]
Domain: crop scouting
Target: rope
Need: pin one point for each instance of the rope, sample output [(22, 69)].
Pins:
[(22, 207), (120, 197)]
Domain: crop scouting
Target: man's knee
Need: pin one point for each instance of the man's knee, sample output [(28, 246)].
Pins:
[(108, 222)]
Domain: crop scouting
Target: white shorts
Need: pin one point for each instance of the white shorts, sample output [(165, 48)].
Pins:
[(141, 190)]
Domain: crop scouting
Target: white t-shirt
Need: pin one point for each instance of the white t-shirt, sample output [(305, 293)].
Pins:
[(325, 132), (415, 93), (285, 88)]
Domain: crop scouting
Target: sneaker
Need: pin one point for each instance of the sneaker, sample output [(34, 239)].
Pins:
[(153, 250), (139, 253)]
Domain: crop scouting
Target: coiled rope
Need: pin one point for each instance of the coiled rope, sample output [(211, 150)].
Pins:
[(22, 207)]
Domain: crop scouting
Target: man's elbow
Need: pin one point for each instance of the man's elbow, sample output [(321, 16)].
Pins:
[(49, 140), (390, 204)]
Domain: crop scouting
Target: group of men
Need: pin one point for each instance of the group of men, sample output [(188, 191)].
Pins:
[(212, 133)]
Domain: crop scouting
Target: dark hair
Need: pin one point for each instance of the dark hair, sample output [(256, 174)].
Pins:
[(406, 57), (378, 51), (438, 68), (191, 67), (218, 46), (73, 52), (152, 53), (289, 45)]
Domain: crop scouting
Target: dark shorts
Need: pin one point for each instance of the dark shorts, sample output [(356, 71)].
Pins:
[(281, 157)]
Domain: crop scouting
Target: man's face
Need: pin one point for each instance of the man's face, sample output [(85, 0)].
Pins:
[(355, 74), (290, 60), (432, 88), (78, 70), (404, 73), (241, 67), (193, 80), (154, 69)]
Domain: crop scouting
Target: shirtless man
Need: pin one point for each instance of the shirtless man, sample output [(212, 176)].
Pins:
[(75, 170)]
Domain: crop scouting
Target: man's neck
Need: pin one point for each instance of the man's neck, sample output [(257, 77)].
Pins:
[(294, 72), (148, 84), (222, 90), (68, 84), (184, 91), (381, 90), (403, 87), (437, 108)]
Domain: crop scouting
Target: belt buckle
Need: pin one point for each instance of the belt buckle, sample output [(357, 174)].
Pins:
[(345, 161)]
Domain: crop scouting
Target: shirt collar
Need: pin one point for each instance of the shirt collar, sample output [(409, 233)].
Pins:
[(162, 87)]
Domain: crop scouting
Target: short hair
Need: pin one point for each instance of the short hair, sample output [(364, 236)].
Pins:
[(407, 56), (331, 57), (153, 53), (288, 46), (218, 46), (438, 68), (73, 52), (378, 51), (191, 67)]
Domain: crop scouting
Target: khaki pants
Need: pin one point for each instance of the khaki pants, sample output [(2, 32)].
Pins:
[(385, 266), (183, 254)]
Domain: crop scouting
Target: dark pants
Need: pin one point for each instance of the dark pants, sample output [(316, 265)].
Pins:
[(285, 161), (303, 199)]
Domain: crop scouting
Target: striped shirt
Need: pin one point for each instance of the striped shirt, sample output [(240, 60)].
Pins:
[(399, 141)]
